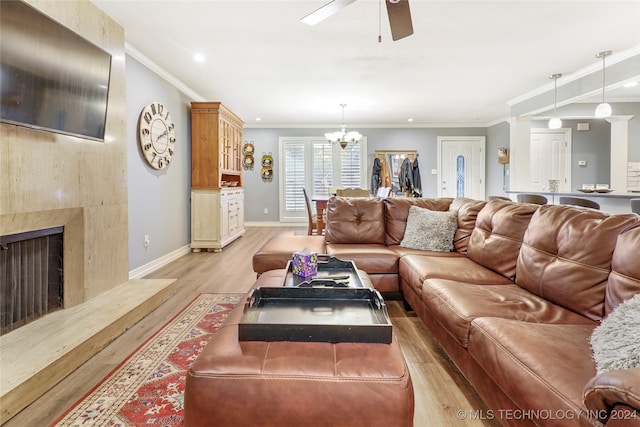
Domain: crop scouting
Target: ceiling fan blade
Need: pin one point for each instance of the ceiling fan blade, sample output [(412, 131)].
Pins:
[(399, 18), (325, 11)]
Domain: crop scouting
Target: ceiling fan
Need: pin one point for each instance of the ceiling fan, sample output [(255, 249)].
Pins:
[(398, 11)]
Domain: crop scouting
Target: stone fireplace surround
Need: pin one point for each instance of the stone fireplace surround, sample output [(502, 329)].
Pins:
[(53, 180)]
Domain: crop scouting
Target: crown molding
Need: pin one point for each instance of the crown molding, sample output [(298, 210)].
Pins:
[(147, 62)]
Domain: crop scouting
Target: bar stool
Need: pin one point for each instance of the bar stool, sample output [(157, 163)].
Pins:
[(577, 201), (536, 199)]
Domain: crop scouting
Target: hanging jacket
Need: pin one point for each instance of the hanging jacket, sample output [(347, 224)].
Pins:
[(417, 181), (385, 174), (376, 177), (405, 178)]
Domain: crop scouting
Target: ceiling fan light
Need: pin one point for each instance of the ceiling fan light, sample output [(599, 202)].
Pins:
[(603, 110), (555, 123)]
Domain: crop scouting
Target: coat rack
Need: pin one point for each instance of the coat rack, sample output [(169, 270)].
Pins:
[(391, 161)]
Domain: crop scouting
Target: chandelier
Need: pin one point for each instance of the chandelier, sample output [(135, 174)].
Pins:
[(343, 137)]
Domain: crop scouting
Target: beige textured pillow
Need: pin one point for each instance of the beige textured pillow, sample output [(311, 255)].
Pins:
[(430, 230), (616, 342)]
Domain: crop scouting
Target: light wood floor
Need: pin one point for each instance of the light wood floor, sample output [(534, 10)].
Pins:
[(440, 390)]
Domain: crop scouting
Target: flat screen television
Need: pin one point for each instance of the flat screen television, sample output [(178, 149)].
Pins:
[(50, 77)]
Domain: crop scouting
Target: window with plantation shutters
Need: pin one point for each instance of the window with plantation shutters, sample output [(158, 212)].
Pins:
[(316, 164)]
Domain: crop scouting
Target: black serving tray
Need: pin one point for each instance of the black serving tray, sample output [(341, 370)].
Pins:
[(320, 314), (332, 271)]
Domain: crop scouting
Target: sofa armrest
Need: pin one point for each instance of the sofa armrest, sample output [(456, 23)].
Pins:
[(612, 389)]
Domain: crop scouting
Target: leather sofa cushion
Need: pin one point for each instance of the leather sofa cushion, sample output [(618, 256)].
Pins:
[(453, 267), (467, 210), (455, 305), (355, 220), (566, 256), (279, 249), (624, 279), (402, 251), (497, 236), (542, 368), (397, 211), (414, 269), (371, 258)]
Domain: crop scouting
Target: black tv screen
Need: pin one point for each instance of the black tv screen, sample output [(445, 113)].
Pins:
[(50, 77)]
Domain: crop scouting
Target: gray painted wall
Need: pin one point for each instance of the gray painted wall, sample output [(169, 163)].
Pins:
[(619, 109), (497, 175), (260, 195), (158, 199), (593, 146)]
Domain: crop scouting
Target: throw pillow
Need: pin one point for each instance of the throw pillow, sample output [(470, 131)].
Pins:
[(616, 342), (430, 230)]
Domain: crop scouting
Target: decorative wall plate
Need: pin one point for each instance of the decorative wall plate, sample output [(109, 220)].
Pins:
[(248, 162), (248, 148), (267, 167)]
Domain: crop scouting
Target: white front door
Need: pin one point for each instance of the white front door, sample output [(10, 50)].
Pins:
[(461, 165), (550, 159)]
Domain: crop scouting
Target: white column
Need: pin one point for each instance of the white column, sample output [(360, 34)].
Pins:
[(520, 153), (619, 152)]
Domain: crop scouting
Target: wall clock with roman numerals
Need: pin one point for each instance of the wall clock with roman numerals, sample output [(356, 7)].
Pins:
[(156, 135)]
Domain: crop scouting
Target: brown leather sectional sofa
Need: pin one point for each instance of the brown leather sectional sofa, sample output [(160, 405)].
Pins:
[(513, 306)]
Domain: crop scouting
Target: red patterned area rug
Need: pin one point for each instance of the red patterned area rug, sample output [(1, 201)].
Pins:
[(147, 389)]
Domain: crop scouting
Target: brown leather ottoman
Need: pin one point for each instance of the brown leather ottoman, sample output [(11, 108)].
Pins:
[(256, 383)]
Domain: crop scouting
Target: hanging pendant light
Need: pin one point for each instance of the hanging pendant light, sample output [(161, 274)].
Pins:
[(603, 110), (555, 122), (342, 137)]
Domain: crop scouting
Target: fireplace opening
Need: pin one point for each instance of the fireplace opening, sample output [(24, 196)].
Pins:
[(31, 276)]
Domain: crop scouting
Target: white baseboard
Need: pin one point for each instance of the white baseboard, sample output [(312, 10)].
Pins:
[(158, 262)]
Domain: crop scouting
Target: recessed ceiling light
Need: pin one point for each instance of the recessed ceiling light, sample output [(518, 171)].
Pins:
[(258, 119), (631, 84), (198, 57), (409, 120)]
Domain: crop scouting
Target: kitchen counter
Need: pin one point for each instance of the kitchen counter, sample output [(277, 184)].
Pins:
[(613, 202)]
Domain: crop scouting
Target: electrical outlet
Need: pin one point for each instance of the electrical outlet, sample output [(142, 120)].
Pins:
[(266, 211), (146, 240)]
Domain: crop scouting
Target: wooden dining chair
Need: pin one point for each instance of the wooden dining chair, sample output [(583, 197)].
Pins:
[(536, 199), (635, 206), (312, 228), (353, 192), (578, 201)]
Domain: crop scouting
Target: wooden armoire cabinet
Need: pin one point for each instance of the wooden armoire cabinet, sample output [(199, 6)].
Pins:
[(217, 196)]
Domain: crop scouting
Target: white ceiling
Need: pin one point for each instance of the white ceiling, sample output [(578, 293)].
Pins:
[(465, 60)]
